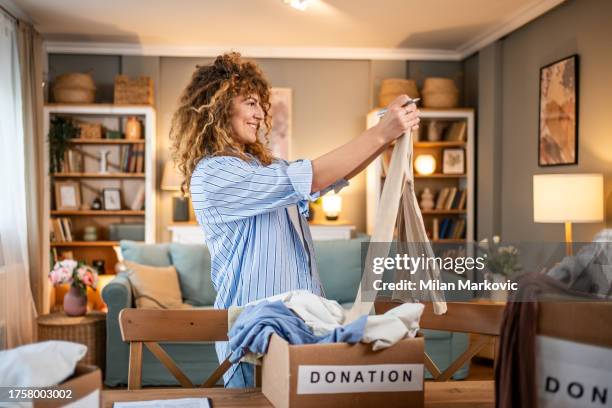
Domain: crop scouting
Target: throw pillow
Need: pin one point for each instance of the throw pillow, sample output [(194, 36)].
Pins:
[(155, 287), (146, 254), (192, 262)]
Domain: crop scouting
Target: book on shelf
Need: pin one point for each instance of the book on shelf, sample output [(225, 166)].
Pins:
[(462, 200), (452, 192), (457, 132), (60, 229), (452, 228), (435, 229), (139, 198), (441, 200)]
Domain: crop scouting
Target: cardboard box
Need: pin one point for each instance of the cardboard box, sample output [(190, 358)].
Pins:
[(342, 375), (84, 386)]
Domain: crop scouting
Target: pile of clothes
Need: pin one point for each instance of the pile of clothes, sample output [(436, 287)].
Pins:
[(301, 317), (587, 276)]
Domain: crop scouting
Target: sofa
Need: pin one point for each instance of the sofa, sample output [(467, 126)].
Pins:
[(339, 264)]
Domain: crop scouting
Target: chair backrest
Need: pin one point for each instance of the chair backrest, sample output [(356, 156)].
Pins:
[(150, 326), (468, 317)]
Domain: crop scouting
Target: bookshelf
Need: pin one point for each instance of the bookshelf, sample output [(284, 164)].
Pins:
[(130, 170), (438, 182)]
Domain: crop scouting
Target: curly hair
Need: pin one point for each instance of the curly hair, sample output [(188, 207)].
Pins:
[(201, 124)]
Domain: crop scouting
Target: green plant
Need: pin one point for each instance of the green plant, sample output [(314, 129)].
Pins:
[(60, 133), (500, 260)]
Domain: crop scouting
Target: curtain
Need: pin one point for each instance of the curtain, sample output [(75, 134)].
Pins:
[(17, 311), (31, 67)]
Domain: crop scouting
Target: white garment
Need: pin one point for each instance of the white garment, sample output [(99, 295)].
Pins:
[(28, 366), (323, 315)]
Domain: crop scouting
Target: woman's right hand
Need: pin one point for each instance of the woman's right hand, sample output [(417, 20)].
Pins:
[(398, 120)]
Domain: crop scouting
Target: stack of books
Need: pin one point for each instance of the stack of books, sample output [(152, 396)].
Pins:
[(448, 228), (451, 198), (61, 229), (132, 158)]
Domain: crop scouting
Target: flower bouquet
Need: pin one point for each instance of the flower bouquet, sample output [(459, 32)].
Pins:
[(79, 276)]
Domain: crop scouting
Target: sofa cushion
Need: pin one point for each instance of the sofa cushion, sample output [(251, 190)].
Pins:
[(339, 264), (192, 262), (154, 287), (146, 254)]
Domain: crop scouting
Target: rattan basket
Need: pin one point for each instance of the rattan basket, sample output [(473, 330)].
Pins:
[(89, 330), (391, 88), (90, 130), (74, 87), (441, 93), (138, 91)]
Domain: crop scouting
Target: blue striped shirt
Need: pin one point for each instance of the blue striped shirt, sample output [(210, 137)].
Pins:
[(256, 251)]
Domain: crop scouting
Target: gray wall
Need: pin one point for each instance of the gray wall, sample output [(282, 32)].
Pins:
[(330, 101), (581, 27)]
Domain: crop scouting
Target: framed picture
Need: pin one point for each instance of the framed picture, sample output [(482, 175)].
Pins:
[(111, 198), (280, 111), (67, 195), (558, 119), (453, 161)]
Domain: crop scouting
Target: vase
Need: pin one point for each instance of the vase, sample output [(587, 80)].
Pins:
[(75, 302)]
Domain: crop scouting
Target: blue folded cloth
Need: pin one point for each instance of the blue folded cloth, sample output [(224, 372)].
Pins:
[(252, 330)]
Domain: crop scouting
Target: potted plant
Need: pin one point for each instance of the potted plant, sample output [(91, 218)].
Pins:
[(60, 133), (79, 276), (501, 262)]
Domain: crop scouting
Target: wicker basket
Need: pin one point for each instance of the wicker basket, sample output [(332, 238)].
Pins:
[(391, 88), (137, 91), (74, 87), (441, 93), (89, 330), (90, 130)]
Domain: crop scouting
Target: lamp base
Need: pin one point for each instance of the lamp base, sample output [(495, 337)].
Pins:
[(331, 217), (568, 239), (180, 209)]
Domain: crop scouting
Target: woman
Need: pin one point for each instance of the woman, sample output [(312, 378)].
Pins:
[(250, 205)]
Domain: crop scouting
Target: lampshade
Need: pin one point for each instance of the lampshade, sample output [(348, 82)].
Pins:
[(425, 164), (568, 198), (332, 205), (171, 179)]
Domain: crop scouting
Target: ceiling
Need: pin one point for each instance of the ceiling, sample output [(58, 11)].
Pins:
[(392, 29)]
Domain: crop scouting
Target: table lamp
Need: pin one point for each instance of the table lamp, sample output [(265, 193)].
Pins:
[(568, 198), (171, 181), (332, 206)]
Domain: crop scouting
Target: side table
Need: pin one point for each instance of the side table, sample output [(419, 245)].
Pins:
[(89, 330)]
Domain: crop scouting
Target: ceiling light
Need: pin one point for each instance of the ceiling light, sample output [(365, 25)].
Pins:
[(297, 4)]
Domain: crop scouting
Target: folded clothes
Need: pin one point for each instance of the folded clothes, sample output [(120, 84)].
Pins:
[(303, 312), (252, 330)]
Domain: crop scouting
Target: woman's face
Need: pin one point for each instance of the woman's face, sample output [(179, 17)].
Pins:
[(247, 115)]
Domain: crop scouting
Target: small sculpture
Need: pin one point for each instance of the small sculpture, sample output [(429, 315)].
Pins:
[(427, 202), (104, 160)]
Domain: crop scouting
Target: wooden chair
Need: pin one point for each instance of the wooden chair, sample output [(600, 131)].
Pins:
[(467, 317), (149, 326)]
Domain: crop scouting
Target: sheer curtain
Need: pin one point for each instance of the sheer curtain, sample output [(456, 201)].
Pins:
[(17, 312)]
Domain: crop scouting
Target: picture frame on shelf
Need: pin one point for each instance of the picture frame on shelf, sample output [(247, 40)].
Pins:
[(558, 113), (453, 161), (111, 199), (67, 195)]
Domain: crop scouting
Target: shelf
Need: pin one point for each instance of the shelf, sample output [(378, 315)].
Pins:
[(99, 212), (439, 175), (99, 175), (442, 212), (107, 141), (449, 241), (85, 244), (443, 143)]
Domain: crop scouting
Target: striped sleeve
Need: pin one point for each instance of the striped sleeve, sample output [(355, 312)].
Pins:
[(232, 189)]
